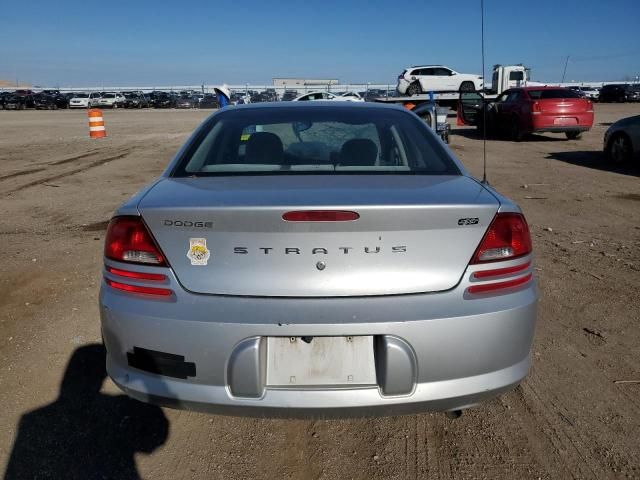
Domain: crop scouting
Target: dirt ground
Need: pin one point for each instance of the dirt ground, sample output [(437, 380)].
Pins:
[(569, 419)]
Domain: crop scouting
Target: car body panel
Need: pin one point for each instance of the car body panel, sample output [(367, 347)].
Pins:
[(394, 247), (628, 127), (465, 351)]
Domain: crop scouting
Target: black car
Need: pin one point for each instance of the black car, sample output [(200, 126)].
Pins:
[(619, 93), (135, 100), (61, 100), (289, 95), (3, 97), (186, 101), (164, 100), (209, 101), (19, 102), (42, 101)]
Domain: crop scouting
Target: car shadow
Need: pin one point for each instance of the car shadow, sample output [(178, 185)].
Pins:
[(595, 159), (474, 134), (85, 434)]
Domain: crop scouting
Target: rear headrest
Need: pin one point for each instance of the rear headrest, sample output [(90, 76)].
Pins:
[(358, 152), (264, 147)]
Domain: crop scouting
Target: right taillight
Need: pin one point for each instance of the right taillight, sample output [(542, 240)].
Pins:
[(535, 108), (129, 241), (506, 238)]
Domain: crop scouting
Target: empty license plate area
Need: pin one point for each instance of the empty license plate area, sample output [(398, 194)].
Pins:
[(320, 361), (566, 121)]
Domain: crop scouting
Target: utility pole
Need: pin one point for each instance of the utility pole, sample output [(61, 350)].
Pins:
[(565, 68)]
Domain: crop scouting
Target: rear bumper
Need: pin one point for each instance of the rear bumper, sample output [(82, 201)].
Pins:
[(552, 123), (556, 129), (446, 395), (455, 352)]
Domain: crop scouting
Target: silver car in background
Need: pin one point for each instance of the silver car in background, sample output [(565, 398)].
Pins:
[(622, 140), (317, 259)]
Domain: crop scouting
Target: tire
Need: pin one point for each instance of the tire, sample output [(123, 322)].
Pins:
[(515, 132), (414, 89), (114, 106), (619, 149), (427, 118), (467, 87), (573, 135)]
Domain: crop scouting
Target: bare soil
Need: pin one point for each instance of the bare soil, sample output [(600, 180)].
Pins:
[(568, 419)]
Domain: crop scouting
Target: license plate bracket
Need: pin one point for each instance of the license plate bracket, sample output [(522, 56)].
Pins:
[(321, 362)]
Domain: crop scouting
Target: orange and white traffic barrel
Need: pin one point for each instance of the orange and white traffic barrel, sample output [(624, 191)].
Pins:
[(96, 123)]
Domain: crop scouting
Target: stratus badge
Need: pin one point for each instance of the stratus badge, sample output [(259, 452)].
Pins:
[(198, 252)]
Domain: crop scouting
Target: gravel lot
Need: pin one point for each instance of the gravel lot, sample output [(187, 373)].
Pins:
[(569, 419)]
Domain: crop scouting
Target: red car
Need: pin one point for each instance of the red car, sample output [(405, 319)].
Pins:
[(521, 111)]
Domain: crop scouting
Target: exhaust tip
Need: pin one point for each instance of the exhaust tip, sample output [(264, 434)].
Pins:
[(453, 414)]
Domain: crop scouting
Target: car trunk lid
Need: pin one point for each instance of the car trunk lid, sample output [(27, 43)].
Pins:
[(414, 233)]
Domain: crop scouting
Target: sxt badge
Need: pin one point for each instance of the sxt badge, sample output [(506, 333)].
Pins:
[(198, 252)]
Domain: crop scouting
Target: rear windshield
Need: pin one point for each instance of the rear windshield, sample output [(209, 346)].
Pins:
[(553, 93), (109, 95), (81, 95), (279, 141)]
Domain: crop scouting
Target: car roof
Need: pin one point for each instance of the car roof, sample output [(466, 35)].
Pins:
[(316, 104), (415, 66), (545, 87)]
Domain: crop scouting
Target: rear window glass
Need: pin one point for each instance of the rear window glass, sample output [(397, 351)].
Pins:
[(323, 140), (552, 93)]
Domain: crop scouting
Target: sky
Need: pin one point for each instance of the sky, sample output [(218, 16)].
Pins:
[(78, 43)]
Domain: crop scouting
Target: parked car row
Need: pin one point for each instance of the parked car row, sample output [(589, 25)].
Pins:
[(623, 92), (23, 99), (53, 99)]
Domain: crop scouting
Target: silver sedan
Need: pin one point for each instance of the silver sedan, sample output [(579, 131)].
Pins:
[(317, 259), (622, 140)]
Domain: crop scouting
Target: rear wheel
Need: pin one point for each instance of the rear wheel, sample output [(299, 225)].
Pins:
[(467, 87), (414, 89), (573, 135), (426, 117), (115, 105), (619, 149)]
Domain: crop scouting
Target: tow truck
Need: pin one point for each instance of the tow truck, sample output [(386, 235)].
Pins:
[(434, 107)]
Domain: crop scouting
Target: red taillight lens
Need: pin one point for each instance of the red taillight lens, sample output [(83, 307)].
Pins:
[(492, 287), (154, 277), (164, 292), (320, 216), (498, 272), (507, 237), (128, 240)]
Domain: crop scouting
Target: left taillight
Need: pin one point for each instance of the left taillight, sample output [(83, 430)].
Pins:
[(128, 240)]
